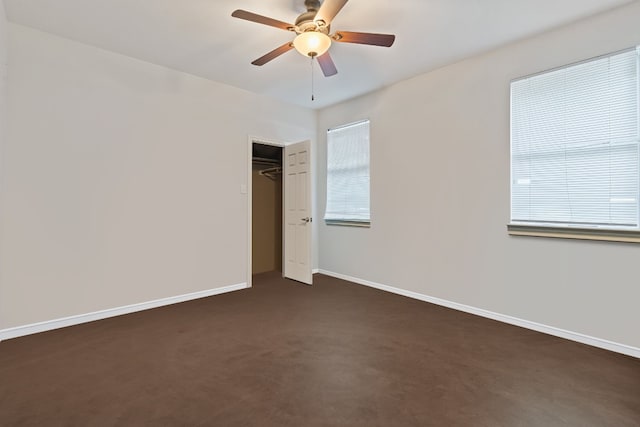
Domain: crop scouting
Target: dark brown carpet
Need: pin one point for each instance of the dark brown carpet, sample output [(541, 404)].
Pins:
[(335, 354)]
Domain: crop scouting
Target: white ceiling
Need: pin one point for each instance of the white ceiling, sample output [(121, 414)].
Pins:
[(200, 37)]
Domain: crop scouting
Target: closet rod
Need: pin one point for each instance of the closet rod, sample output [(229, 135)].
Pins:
[(265, 161)]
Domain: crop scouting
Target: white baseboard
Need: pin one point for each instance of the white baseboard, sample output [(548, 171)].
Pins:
[(315, 271), (573, 336), (35, 328)]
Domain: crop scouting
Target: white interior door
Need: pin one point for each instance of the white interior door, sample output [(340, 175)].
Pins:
[(297, 215)]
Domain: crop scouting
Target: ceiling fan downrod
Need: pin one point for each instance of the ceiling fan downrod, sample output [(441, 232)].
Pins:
[(312, 5)]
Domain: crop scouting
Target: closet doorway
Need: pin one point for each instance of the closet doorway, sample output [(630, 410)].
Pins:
[(266, 208), (280, 232)]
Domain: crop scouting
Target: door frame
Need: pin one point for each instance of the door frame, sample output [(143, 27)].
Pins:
[(257, 140)]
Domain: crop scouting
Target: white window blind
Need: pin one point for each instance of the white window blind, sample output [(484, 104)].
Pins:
[(348, 174), (574, 145)]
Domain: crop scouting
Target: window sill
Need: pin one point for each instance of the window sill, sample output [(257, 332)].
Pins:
[(346, 223), (627, 236)]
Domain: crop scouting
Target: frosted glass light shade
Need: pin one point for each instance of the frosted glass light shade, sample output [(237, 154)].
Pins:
[(312, 43)]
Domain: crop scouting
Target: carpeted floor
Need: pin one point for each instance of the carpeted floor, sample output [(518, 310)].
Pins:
[(334, 354)]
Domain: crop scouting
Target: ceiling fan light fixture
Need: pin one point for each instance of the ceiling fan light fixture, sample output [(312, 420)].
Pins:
[(312, 43)]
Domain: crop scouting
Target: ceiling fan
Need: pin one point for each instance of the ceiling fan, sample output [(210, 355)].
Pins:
[(313, 33)]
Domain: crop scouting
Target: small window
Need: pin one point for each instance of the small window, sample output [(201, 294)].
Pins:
[(348, 175), (574, 146)]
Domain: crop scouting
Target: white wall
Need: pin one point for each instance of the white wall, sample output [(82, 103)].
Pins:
[(440, 195), (122, 179), (3, 97)]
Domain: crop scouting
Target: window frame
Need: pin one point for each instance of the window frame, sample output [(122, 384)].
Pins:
[(343, 221), (567, 231)]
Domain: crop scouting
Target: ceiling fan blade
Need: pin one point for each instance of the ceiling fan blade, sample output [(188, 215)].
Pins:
[(385, 40), (326, 64), (254, 17), (273, 54), (329, 10)]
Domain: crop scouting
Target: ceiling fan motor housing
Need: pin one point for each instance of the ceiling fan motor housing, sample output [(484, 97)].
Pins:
[(305, 22), (306, 17)]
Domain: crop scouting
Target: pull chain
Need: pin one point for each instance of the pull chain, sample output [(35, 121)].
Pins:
[(312, 85)]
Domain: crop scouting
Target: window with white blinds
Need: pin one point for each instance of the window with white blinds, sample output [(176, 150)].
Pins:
[(574, 145), (348, 175)]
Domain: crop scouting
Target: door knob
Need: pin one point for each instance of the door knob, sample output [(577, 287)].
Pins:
[(307, 219)]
